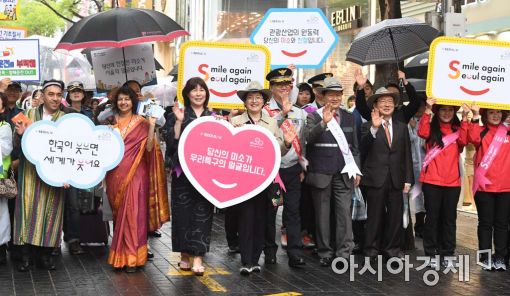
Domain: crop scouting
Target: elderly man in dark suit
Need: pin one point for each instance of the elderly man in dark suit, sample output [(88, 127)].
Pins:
[(333, 171), (387, 174)]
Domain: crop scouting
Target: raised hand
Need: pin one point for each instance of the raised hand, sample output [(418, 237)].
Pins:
[(4, 83), (327, 113), (20, 127), (289, 135), (430, 103), (465, 110), (402, 75), (286, 105), (292, 67), (178, 112), (476, 109), (376, 118), (360, 78)]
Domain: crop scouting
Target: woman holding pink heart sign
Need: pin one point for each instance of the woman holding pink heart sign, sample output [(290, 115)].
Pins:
[(252, 211), (192, 213)]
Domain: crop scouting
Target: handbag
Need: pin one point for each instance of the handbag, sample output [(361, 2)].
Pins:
[(359, 208), (8, 187), (275, 194)]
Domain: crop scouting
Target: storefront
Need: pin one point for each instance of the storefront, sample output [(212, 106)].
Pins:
[(487, 19), (347, 19)]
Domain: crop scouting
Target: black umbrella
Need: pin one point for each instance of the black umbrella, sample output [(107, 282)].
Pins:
[(418, 66), (120, 27), (87, 53), (391, 40)]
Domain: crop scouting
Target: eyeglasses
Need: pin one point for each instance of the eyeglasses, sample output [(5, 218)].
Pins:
[(254, 98)]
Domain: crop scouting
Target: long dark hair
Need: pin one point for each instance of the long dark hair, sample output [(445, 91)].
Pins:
[(125, 90), (436, 137), (191, 84)]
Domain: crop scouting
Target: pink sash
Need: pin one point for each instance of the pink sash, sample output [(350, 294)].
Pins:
[(480, 180), (434, 151), (296, 142)]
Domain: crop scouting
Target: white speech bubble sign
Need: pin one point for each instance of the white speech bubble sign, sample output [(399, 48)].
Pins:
[(72, 150)]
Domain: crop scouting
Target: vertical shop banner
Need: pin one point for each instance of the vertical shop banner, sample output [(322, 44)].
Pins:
[(19, 60), (111, 64), (466, 70), (12, 32), (226, 164), (9, 10), (300, 36), (62, 155), (225, 67)]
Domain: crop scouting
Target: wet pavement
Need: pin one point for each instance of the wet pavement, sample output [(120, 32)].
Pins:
[(89, 274)]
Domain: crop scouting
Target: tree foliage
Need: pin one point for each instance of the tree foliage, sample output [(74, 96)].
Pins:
[(37, 19)]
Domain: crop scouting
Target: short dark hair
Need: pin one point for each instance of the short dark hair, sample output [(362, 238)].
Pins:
[(132, 81), (305, 86), (351, 98), (191, 84), (392, 84), (125, 90)]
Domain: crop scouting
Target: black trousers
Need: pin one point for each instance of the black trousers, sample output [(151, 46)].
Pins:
[(439, 231), (384, 224), (252, 214), (192, 217), (291, 217), (306, 210), (232, 226), (493, 213)]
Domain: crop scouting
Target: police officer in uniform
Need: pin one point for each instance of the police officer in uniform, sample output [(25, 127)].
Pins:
[(291, 169)]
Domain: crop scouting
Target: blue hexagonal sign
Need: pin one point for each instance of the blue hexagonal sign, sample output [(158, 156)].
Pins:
[(299, 36)]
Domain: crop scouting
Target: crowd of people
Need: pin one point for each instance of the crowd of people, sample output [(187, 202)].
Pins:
[(394, 153)]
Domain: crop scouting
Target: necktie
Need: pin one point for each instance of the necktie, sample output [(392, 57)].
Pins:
[(387, 132)]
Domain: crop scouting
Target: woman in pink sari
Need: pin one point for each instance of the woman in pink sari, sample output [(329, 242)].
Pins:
[(133, 184)]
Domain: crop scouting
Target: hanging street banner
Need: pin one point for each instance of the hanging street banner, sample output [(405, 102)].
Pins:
[(9, 10), (465, 70), (19, 60), (300, 36), (226, 164), (110, 66), (225, 67), (62, 155), (12, 32)]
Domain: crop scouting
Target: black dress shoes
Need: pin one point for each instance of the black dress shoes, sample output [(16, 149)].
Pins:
[(325, 262), (150, 255), (3, 254), (270, 259), (295, 262)]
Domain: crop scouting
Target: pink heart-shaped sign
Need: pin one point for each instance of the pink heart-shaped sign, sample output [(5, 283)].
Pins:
[(228, 165)]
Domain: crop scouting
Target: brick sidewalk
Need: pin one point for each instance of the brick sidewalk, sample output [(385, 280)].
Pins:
[(89, 274)]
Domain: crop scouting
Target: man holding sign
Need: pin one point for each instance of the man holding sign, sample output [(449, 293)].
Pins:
[(291, 169), (39, 206)]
